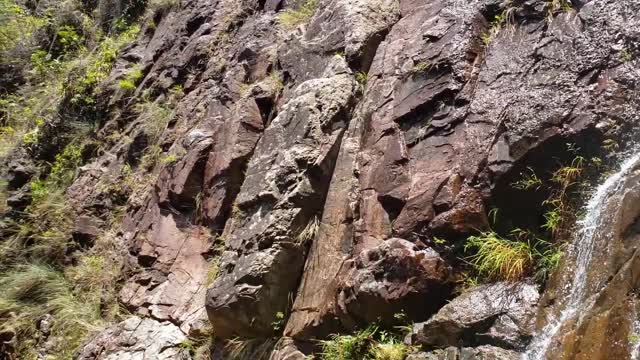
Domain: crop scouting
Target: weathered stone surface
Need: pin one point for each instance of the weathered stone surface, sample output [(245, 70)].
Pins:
[(484, 352), (19, 170), (136, 339), (315, 311), (85, 230), (283, 192), (499, 314), (173, 286), (393, 278), (272, 133), (288, 349)]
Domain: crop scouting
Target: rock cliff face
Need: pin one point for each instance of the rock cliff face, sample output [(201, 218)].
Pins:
[(316, 167)]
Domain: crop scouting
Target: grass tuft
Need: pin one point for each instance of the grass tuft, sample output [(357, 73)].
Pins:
[(291, 18), (498, 258)]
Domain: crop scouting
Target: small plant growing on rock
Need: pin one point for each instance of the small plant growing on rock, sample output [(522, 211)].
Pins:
[(506, 19), (626, 56), (421, 67), (499, 258), (388, 348), (348, 347), (528, 181), (279, 322), (291, 18), (310, 231), (131, 79), (557, 6)]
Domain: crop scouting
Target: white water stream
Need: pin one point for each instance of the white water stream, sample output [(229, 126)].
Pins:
[(593, 224)]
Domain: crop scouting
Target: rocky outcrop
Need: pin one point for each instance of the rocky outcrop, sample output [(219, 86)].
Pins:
[(136, 338), (265, 240), (312, 167), (500, 314)]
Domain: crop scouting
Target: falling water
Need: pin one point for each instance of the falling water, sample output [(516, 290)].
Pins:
[(582, 251)]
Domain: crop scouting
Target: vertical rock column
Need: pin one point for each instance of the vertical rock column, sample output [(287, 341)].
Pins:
[(283, 193)]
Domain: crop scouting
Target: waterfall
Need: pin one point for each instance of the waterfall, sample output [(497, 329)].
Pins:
[(589, 229)]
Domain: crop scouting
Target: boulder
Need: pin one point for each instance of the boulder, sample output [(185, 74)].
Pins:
[(500, 314), (392, 278)]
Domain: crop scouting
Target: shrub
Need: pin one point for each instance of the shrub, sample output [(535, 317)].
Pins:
[(16, 24), (69, 38), (64, 169), (291, 18)]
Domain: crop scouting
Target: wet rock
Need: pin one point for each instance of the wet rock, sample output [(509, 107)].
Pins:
[(601, 310), (136, 338), (393, 278), (498, 314)]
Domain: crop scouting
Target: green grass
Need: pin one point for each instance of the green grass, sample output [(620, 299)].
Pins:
[(528, 181), (348, 347), (128, 83), (291, 18), (389, 349), (28, 292), (369, 343), (506, 19), (499, 258)]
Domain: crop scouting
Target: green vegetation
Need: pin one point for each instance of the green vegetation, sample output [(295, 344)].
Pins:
[(64, 56), (292, 18), (524, 252), (557, 6), (348, 347), (279, 322), (498, 258), (421, 67), (368, 343), (199, 344), (626, 56), (29, 292), (506, 19), (528, 181), (84, 78), (16, 25), (131, 79)]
